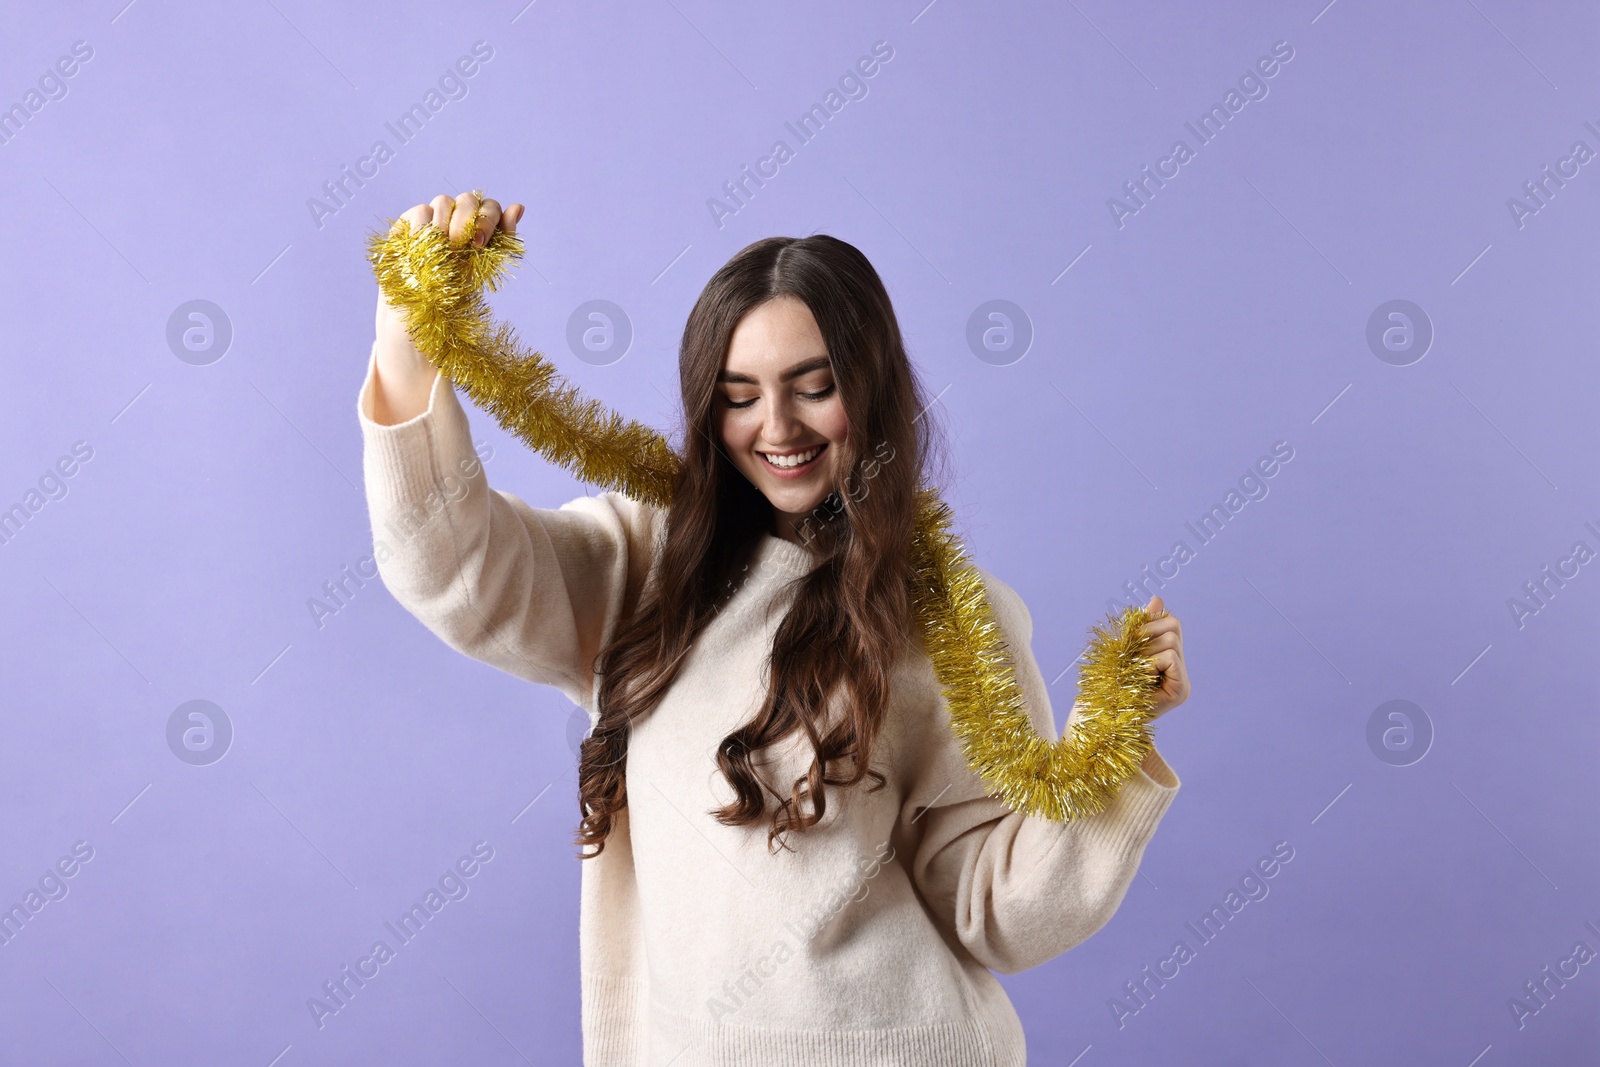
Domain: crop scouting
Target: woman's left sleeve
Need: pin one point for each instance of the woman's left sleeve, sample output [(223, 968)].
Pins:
[(1019, 890)]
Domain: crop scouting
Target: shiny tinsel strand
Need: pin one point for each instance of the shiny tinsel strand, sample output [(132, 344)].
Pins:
[(440, 287), (1073, 777)]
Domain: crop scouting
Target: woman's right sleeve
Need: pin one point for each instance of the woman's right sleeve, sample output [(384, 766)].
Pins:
[(536, 592)]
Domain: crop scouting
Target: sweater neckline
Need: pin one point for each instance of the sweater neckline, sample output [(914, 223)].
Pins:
[(775, 554)]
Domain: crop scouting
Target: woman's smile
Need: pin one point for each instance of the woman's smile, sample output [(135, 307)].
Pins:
[(794, 463)]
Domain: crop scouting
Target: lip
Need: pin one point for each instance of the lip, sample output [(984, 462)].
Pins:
[(795, 472)]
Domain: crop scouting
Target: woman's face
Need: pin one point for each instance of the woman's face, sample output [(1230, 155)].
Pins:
[(777, 400)]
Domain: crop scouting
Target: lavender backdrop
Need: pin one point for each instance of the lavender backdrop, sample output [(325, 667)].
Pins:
[(1375, 258)]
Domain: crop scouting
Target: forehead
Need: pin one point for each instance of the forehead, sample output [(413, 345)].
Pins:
[(773, 336)]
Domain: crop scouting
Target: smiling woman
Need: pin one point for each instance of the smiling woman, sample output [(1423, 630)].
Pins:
[(779, 420), (790, 361), (765, 706)]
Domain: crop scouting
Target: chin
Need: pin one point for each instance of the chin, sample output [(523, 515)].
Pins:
[(797, 498), (796, 503)]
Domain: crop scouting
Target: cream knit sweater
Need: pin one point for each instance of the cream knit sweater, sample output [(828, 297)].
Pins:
[(873, 941)]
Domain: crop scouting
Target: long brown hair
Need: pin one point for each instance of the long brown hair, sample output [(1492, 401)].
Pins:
[(851, 616)]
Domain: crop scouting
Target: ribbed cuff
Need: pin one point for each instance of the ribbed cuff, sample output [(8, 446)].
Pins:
[(615, 1027), (1158, 770), (1128, 823), (402, 462)]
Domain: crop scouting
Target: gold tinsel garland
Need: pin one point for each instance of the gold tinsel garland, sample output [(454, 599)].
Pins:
[(440, 286)]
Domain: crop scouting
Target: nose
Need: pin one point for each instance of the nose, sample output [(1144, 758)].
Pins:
[(780, 425)]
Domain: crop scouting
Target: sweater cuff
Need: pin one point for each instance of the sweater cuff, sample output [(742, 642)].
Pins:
[(1128, 823), (402, 462), (1158, 770)]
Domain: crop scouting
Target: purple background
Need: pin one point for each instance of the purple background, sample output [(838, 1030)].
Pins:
[(1168, 354)]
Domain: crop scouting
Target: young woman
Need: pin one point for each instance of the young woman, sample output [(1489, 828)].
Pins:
[(789, 860)]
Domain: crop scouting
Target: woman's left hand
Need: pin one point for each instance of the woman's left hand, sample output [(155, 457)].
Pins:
[(1166, 652)]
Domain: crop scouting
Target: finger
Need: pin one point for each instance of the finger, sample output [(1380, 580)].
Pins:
[(443, 208), (488, 219), (1161, 642), (415, 217), (1169, 624), (512, 216), (461, 216), (1155, 606)]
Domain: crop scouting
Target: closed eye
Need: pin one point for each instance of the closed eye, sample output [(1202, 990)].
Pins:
[(819, 395)]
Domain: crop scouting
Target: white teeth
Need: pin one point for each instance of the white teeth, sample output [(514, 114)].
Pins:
[(792, 461)]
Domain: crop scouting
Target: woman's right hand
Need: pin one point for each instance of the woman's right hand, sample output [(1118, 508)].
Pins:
[(404, 375)]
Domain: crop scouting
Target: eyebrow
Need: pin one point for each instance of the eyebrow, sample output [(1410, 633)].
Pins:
[(805, 367)]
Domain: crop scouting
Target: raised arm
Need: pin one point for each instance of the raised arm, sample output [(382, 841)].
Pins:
[(534, 591), (402, 381), (1018, 890)]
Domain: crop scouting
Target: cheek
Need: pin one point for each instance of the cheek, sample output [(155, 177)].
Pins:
[(835, 424), (733, 432)]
